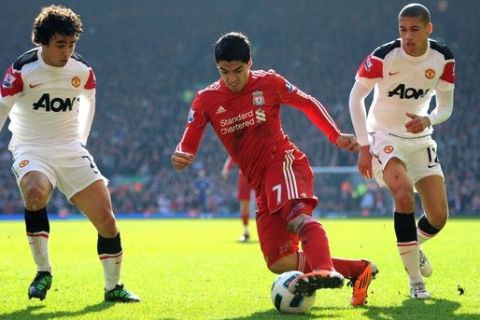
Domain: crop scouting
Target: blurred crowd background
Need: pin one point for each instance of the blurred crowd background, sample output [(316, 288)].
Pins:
[(150, 57)]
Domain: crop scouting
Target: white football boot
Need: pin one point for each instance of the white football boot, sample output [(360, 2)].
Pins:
[(418, 291), (425, 266)]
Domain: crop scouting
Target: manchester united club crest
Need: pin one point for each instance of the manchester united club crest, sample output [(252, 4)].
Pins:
[(258, 98), (429, 73), (76, 82), (388, 149), (23, 163)]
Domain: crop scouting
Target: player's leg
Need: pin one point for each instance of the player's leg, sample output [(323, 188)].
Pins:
[(244, 191), (288, 191), (429, 182), (94, 201), (36, 182), (36, 190), (313, 237), (434, 201), (297, 217), (83, 184), (360, 277), (278, 246), (245, 215), (359, 272), (401, 188)]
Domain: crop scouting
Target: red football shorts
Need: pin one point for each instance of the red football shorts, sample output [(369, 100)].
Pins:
[(244, 188), (287, 191)]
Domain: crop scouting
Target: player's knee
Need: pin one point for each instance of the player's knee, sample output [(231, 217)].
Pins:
[(276, 268), (281, 265), (106, 224), (404, 199), (440, 220), (296, 223), (295, 213), (35, 197)]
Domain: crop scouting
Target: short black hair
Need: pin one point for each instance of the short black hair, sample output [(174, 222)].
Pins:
[(232, 46), (55, 19), (415, 10)]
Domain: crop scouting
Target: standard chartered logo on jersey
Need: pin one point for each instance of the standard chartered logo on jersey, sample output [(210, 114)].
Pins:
[(236, 123), (55, 104)]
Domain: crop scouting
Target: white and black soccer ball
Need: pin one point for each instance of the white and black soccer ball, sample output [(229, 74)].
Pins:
[(284, 300)]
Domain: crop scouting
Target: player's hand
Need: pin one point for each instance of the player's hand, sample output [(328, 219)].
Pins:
[(181, 160), (417, 123), (365, 162), (347, 141)]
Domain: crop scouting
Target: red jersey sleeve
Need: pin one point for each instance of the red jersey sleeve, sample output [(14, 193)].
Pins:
[(194, 130), (371, 68), (91, 82), (312, 108), (12, 83), (370, 71), (448, 74)]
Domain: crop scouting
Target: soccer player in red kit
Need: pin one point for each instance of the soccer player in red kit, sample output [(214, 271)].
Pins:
[(244, 194), (243, 108)]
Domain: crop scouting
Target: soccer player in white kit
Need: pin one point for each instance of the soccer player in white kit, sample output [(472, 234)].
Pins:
[(396, 138), (49, 95)]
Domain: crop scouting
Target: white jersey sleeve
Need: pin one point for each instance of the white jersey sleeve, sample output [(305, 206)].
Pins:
[(356, 103), (86, 114)]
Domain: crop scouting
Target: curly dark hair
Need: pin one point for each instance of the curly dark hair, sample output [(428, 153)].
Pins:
[(55, 19)]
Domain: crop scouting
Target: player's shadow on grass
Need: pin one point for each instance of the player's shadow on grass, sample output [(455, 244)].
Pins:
[(246, 243), (274, 314), (30, 312), (432, 309)]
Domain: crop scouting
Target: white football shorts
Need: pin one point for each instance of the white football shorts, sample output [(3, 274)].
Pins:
[(418, 154), (69, 168)]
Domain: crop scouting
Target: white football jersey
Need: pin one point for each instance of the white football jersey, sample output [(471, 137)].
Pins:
[(404, 83), (45, 100)]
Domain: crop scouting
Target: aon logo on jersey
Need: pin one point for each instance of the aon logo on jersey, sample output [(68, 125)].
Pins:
[(55, 104), (407, 93)]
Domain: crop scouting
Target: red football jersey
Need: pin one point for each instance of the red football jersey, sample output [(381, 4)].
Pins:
[(248, 122)]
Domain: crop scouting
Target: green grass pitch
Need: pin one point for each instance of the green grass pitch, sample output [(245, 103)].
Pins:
[(195, 269)]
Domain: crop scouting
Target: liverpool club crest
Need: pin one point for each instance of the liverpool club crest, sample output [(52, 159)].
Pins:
[(258, 98)]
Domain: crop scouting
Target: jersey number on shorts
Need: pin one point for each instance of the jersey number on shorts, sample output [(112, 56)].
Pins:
[(278, 189), (432, 157), (92, 165)]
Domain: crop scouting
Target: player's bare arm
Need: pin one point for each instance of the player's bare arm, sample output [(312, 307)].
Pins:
[(417, 123), (181, 160), (365, 162), (347, 141)]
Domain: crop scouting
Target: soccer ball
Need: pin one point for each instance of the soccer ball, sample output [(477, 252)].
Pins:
[(284, 300)]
